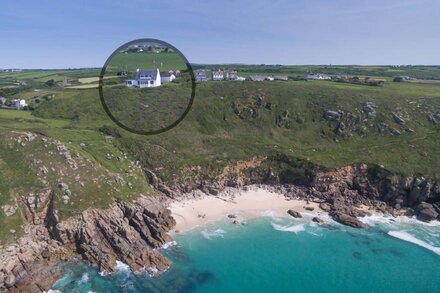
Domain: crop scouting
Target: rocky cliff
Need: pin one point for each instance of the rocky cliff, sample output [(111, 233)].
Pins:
[(342, 189), (128, 232)]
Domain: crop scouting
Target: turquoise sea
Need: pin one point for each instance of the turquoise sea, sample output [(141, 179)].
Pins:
[(271, 254)]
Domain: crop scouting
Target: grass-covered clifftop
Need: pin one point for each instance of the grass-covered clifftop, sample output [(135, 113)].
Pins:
[(325, 123)]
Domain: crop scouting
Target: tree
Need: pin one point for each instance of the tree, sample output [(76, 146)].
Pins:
[(398, 79), (50, 83)]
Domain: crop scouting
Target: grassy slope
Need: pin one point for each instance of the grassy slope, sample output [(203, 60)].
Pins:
[(211, 136)]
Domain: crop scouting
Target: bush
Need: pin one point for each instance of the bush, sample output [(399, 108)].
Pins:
[(50, 83), (110, 130), (398, 79)]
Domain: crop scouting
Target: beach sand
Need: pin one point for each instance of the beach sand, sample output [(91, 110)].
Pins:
[(195, 212)]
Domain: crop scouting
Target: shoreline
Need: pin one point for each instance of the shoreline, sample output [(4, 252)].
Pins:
[(238, 205)]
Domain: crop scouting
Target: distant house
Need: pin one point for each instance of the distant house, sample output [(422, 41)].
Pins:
[(257, 78), (175, 72), (201, 75), (281, 77), (218, 75), (166, 77), (2, 100), (232, 75), (18, 104), (319, 76), (145, 78), (269, 78)]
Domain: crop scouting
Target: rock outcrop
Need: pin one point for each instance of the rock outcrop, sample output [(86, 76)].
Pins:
[(426, 212), (294, 214), (346, 219), (127, 232)]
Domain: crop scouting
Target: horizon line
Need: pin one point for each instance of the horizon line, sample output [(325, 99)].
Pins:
[(229, 64)]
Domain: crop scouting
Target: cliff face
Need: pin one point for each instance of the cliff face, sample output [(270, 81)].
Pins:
[(127, 232), (341, 188)]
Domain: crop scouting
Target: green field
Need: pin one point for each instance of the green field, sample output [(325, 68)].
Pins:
[(229, 121), (131, 61)]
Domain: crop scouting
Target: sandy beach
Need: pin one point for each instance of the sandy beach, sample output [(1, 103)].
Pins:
[(195, 212)]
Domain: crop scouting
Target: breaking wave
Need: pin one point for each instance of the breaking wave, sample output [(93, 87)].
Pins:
[(293, 228), (213, 234), (410, 238)]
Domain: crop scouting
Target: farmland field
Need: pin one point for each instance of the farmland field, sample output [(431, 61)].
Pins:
[(131, 61)]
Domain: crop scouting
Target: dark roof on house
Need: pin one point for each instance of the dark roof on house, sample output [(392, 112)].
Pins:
[(152, 72), (166, 74)]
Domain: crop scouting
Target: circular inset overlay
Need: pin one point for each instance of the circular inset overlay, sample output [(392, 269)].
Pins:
[(147, 86)]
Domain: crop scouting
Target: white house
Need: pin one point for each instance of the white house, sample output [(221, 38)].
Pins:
[(201, 75), (145, 78), (167, 77), (2, 100), (232, 75), (321, 76), (218, 75), (18, 104)]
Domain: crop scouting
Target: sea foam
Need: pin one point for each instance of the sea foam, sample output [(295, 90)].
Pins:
[(409, 238), (373, 220), (84, 278), (294, 228), (213, 234), (122, 267)]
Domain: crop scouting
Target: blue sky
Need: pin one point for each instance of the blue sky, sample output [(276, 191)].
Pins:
[(83, 33)]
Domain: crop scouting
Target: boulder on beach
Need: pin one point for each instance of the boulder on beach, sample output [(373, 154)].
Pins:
[(426, 212), (325, 206), (308, 208), (346, 219), (294, 214), (318, 220)]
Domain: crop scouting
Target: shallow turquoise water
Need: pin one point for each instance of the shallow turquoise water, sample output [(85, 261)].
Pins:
[(283, 255)]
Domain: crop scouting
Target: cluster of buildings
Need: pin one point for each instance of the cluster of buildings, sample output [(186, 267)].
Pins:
[(217, 75), (319, 76), (16, 104), (155, 78), (151, 78), (232, 75)]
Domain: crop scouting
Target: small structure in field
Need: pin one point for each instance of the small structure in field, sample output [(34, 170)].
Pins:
[(232, 75), (145, 78), (167, 77), (122, 73), (320, 76), (2, 100), (281, 77), (175, 72), (18, 104), (201, 75), (257, 78), (218, 75)]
